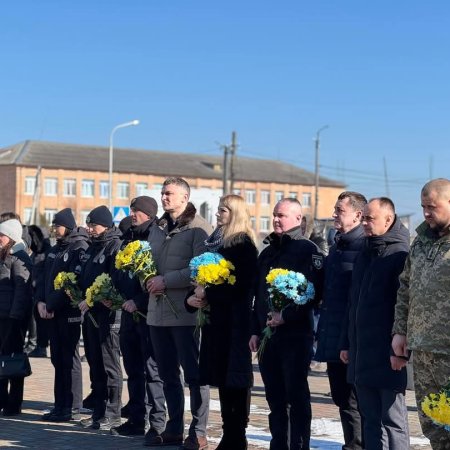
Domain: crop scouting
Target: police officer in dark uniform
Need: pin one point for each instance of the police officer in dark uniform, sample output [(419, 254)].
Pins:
[(145, 387), (65, 320), (102, 341), (285, 361)]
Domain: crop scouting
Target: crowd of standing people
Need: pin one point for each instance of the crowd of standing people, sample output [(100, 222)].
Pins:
[(378, 299)]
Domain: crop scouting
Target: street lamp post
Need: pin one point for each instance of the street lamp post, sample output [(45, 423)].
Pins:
[(316, 201), (111, 147)]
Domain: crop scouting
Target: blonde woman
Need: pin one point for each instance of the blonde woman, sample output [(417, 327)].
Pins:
[(225, 359)]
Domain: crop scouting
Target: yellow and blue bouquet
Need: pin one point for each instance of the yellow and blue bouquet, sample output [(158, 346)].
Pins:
[(210, 269), (67, 281), (285, 287), (437, 407), (137, 259)]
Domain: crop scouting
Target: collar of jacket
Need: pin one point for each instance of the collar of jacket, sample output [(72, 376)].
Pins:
[(276, 239), (426, 234), (343, 239), (17, 247), (186, 217), (140, 232)]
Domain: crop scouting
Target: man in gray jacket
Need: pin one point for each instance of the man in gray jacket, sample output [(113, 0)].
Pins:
[(171, 326)]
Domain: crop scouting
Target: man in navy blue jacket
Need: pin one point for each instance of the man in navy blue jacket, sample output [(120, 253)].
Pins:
[(366, 345), (349, 240)]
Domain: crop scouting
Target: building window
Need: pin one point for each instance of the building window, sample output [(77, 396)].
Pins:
[(104, 189), (141, 189), (27, 215), (70, 187), (265, 197), (157, 186), (279, 195), (306, 199), (253, 222), (49, 214), (293, 194), (264, 223), (51, 186), (250, 197), (30, 183), (83, 217), (87, 188), (236, 191), (123, 189)]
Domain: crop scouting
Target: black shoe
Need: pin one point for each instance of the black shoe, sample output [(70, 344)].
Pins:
[(64, 415), (89, 401), (153, 439), (53, 412), (106, 423), (128, 429), (125, 411), (7, 412), (38, 352), (87, 423)]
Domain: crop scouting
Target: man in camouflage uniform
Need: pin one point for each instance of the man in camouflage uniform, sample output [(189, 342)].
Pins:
[(422, 313)]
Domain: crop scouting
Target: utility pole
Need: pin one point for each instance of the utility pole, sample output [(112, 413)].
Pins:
[(317, 146), (386, 180), (226, 152), (232, 161)]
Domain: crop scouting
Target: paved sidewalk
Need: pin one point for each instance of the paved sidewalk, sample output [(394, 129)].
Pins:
[(27, 431)]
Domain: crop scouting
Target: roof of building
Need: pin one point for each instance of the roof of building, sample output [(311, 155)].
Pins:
[(55, 155)]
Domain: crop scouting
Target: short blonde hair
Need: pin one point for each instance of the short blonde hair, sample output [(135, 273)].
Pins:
[(239, 225)]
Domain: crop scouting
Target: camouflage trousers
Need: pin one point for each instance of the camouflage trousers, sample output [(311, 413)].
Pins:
[(431, 373)]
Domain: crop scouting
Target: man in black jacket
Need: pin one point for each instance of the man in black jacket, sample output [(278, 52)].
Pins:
[(285, 361), (145, 387), (65, 320), (349, 240), (366, 341)]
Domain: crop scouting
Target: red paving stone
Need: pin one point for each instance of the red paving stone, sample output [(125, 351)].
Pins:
[(28, 431)]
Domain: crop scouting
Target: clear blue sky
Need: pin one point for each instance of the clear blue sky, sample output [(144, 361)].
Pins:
[(378, 73)]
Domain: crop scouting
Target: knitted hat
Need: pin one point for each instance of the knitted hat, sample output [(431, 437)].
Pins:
[(13, 229), (100, 216), (65, 219), (145, 204)]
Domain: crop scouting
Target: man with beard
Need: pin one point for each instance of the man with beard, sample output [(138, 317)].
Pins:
[(145, 388), (422, 312), (65, 320)]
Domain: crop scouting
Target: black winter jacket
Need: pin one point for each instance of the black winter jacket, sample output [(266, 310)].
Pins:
[(338, 276), (65, 256), (100, 258), (371, 310), (293, 252), (15, 285), (225, 357)]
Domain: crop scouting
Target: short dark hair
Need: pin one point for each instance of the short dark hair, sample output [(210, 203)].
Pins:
[(385, 202), (179, 182), (9, 215), (357, 201)]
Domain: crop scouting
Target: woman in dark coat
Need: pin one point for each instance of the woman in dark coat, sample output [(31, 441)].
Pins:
[(102, 341), (225, 358), (15, 307)]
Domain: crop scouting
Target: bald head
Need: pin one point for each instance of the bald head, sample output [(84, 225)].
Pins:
[(379, 215), (435, 199), (287, 214)]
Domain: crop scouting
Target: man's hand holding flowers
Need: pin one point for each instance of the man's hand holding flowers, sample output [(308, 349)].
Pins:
[(274, 319), (129, 306), (156, 285)]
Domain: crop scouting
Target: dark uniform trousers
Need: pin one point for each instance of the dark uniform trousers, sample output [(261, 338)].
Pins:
[(64, 335), (103, 355), (284, 369), (145, 387)]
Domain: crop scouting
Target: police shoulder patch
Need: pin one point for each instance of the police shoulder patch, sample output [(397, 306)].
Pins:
[(317, 261)]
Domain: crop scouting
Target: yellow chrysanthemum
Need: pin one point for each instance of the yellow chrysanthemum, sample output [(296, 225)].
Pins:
[(437, 407), (274, 273), (89, 298)]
